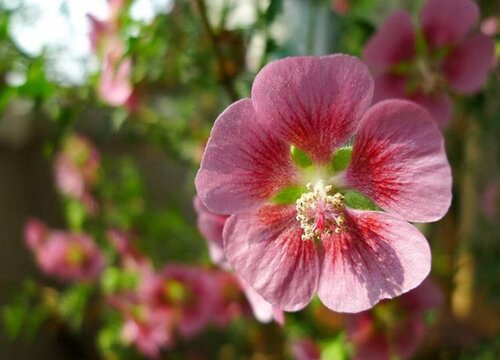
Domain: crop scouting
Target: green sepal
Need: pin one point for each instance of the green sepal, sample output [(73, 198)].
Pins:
[(300, 158), (287, 195), (342, 158), (356, 200)]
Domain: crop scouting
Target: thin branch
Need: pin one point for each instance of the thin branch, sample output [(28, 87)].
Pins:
[(226, 80)]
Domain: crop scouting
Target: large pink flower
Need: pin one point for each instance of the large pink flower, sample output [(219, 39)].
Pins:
[(67, 256), (393, 328), (423, 64), (294, 229)]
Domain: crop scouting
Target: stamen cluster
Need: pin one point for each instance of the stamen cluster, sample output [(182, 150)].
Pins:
[(318, 212)]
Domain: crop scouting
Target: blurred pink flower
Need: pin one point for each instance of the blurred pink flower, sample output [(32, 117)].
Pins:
[(67, 256), (149, 329), (422, 65), (489, 26), (115, 84), (314, 242), (76, 170), (184, 291), (490, 200), (393, 328), (305, 349), (124, 244)]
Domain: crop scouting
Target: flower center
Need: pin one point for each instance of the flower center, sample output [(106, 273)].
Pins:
[(320, 213)]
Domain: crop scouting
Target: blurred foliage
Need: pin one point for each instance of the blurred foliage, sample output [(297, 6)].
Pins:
[(186, 70)]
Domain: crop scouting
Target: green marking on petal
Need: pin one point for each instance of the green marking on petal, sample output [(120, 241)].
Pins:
[(300, 158), (288, 195), (356, 200), (342, 158)]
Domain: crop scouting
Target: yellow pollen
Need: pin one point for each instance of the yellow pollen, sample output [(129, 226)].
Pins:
[(318, 212)]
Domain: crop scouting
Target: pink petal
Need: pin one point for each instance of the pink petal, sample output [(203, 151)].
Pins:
[(438, 105), (115, 86), (377, 257), (393, 43), (446, 22), (266, 250), (390, 86), (262, 310), (467, 66), (305, 349), (243, 165), (399, 161), (211, 226), (313, 103)]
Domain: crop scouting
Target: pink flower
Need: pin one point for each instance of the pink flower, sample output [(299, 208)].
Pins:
[(305, 349), (291, 232), (76, 170), (115, 84), (67, 256), (394, 328), (185, 292), (421, 65), (148, 329)]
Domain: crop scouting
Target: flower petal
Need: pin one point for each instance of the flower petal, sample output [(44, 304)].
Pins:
[(266, 250), (210, 226), (399, 161), (446, 22), (438, 105), (315, 103), (376, 257), (243, 165), (468, 64), (393, 43)]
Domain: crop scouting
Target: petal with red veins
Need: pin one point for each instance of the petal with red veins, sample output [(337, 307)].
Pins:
[(243, 165), (467, 66), (315, 103), (375, 257), (393, 43), (399, 162), (446, 22), (265, 248)]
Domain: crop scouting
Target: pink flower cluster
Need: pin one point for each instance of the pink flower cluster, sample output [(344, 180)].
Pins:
[(76, 170), (64, 255), (422, 64), (275, 165), (115, 85), (177, 300)]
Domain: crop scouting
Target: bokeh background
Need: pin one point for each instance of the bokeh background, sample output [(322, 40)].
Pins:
[(179, 64)]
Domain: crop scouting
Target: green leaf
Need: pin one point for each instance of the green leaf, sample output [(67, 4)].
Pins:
[(335, 349), (73, 304), (300, 158), (288, 195), (342, 158), (356, 200)]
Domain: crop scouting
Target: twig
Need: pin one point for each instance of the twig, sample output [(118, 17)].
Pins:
[(226, 80)]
